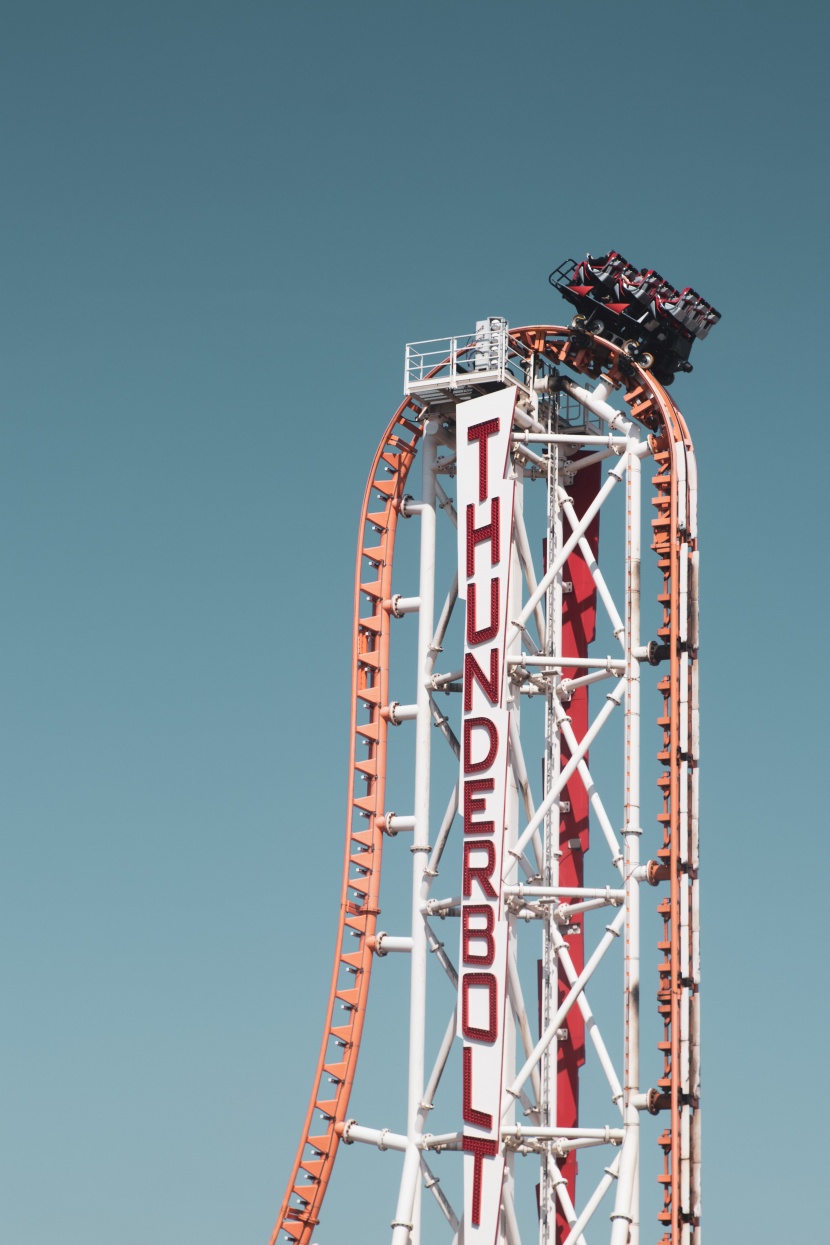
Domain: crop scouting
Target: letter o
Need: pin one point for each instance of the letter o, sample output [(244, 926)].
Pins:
[(473, 1034)]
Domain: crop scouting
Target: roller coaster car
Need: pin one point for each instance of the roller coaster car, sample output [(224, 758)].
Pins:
[(636, 309)]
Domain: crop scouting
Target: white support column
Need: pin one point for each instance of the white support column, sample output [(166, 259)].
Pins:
[(406, 1227), (625, 1225), (552, 768)]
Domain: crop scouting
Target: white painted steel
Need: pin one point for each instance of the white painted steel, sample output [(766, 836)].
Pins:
[(592, 1029), (601, 455), (614, 477), (409, 1201), (613, 1136), (402, 713), (564, 1199), (549, 1034), (594, 401), (559, 438), (399, 605), (612, 702), (380, 1137), (520, 771), (514, 987), (538, 904), (546, 662), (593, 1202), (385, 943), (527, 566), (394, 823), (591, 563), (440, 1062), (625, 1228), (565, 892)]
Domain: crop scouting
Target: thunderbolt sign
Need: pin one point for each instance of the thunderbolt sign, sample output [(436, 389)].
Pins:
[(486, 492)]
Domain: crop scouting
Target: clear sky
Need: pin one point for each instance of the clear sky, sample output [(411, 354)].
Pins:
[(221, 223)]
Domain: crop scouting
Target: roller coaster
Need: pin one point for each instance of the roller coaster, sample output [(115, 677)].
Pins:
[(557, 1047), (637, 309)]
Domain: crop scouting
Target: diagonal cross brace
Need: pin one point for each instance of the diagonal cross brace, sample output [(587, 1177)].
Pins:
[(612, 932), (612, 701)]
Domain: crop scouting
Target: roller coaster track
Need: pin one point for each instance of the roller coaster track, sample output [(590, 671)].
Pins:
[(365, 829), (675, 1096)]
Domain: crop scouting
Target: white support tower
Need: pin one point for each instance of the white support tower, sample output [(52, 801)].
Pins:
[(538, 665)]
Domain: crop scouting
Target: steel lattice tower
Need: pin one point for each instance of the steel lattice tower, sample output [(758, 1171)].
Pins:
[(530, 647)]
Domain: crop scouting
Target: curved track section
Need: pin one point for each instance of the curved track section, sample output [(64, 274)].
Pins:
[(299, 1213), (675, 544), (676, 1096)]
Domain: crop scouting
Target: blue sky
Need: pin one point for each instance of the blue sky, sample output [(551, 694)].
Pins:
[(221, 223)]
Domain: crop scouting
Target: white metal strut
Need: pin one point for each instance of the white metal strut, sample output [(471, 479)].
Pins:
[(504, 783)]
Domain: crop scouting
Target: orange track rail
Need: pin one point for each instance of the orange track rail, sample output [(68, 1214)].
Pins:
[(651, 406), (300, 1210)]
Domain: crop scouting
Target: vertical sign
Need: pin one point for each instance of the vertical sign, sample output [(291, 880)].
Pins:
[(485, 525)]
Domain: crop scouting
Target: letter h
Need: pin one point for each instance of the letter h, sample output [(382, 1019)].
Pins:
[(477, 535)]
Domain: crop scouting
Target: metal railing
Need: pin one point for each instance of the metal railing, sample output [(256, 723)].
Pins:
[(453, 362)]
